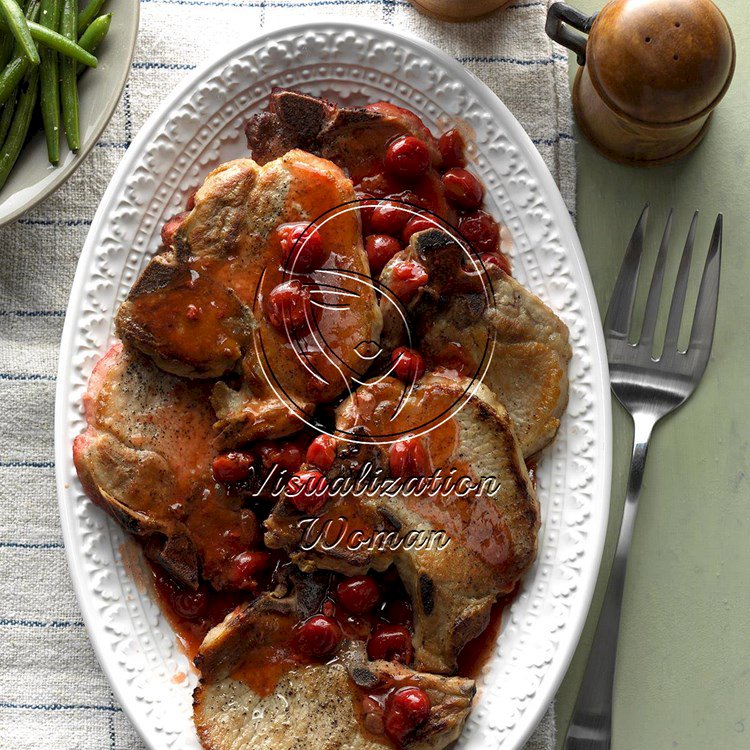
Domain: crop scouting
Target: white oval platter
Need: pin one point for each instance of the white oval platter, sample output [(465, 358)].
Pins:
[(195, 129)]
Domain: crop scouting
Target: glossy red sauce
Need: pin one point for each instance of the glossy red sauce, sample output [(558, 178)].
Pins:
[(204, 323), (478, 652), (191, 632)]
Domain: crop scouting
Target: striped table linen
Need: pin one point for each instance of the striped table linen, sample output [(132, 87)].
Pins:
[(53, 694)]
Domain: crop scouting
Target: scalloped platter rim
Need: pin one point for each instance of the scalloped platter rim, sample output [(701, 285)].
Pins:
[(196, 128)]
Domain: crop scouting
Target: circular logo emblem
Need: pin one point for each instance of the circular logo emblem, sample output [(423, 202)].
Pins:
[(430, 291)]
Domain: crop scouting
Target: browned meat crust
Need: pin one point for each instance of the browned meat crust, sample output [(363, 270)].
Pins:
[(199, 308), (492, 533), (145, 458), (528, 352), (311, 706), (132, 465), (343, 134)]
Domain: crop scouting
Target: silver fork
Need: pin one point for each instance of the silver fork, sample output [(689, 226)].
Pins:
[(649, 389)]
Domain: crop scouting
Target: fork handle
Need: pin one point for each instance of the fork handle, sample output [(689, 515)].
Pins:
[(591, 724)]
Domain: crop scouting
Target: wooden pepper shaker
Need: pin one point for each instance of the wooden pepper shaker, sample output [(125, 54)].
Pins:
[(652, 72)]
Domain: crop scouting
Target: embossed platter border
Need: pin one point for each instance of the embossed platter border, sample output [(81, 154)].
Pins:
[(196, 128)]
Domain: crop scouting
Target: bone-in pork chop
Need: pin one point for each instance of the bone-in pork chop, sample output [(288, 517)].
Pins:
[(145, 458), (355, 138), (255, 694), (229, 294), (444, 424), (504, 334)]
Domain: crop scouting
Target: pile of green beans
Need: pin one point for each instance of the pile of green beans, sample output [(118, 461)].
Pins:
[(44, 46)]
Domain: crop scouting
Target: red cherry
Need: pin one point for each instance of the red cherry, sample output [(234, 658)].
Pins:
[(417, 224), (380, 249), (301, 247), (406, 278), (358, 595), (407, 709), (463, 188), (245, 567), (481, 231), (319, 636), (397, 612), (392, 643), (322, 452), (191, 605), (408, 364), (452, 145), (286, 455), (232, 467), (388, 218), (171, 226), (407, 157), (408, 458), (367, 203), (496, 259), (289, 306), (231, 543), (307, 491)]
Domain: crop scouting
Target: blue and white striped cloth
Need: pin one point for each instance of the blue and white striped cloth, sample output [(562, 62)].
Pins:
[(52, 692)]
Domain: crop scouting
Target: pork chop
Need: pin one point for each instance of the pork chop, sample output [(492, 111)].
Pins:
[(355, 138), (505, 335), (145, 458), (201, 307), (490, 520), (316, 707), (253, 696)]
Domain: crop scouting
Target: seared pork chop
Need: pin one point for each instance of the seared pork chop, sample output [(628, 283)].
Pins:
[(318, 707), (355, 138), (246, 701), (203, 306), (248, 632), (491, 527), (145, 458), (506, 335)]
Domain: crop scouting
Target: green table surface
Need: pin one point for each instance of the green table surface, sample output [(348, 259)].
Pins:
[(683, 663)]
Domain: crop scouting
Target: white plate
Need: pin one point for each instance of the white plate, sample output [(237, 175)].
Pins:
[(199, 126), (33, 178)]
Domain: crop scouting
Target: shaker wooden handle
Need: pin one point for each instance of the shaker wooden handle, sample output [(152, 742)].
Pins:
[(560, 18)]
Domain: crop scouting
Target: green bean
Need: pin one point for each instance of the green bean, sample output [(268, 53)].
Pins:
[(15, 70), (18, 26), (96, 31), (93, 36), (53, 40), (31, 10), (11, 76), (68, 78), (88, 14), (49, 82), (19, 128), (7, 43), (6, 117)]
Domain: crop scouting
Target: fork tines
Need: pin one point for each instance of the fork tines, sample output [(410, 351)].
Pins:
[(618, 322)]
